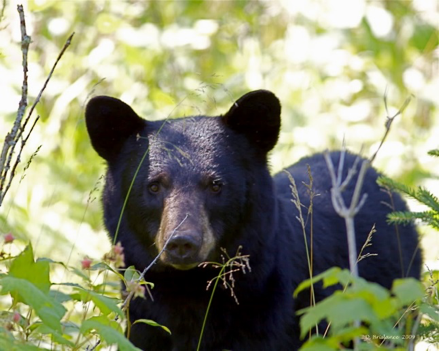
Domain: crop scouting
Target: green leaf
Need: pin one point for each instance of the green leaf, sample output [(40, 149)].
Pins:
[(69, 284), (434, 152), (47, 308), (407, 290), (131, 273), (7, 342), (105, 267), (47, 259), (332, 276), (80, 273), (102, 266), (105, 304), (430, 310), (420, 194), (152, 323), (24, 267), (109, 331), (377, 296), (318, 343), (59, 296), (56, 336), (339, 310)]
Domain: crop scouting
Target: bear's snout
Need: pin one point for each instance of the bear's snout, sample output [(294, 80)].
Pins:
[(184, 246)]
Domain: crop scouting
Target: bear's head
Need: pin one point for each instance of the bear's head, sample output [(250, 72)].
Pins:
[(185, 188)]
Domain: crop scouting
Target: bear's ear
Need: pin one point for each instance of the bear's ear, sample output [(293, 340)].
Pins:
[(257, 116), (109, 123)]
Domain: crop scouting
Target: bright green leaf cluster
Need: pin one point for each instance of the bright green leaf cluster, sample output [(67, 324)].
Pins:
[(375, 307), (425, 197), (28, 283)]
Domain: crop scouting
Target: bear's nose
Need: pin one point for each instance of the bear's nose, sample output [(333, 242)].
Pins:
[(183, 246)]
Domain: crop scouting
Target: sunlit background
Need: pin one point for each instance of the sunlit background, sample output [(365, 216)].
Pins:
[(329, 62)]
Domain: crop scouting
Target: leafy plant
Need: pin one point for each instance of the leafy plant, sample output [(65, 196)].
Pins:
[(389, 319), (422, 195), (43, 313), (392, 319)]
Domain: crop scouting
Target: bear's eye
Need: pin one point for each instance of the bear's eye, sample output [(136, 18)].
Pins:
[(215, 186), (154, 188)]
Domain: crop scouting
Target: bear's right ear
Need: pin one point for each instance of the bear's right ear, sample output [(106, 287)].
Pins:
[(109, 123), (257, 116)]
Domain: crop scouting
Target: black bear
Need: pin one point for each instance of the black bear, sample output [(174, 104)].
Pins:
[(200, 186)]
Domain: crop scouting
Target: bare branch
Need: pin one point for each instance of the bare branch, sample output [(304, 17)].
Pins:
[(358, 199), (389, 121), (141, 277), (37, 100), (11, 137), (2, 11), (7, 159)]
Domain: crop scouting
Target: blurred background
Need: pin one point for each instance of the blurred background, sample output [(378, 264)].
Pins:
[(329, 61)]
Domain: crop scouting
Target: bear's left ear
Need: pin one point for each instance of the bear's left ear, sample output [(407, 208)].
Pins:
[(257, 116), (110, 122)]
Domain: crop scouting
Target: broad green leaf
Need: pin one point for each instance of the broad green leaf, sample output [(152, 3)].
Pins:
[(105, 304), (80, 273), (47, 308), (387, 327), (339, 310), (105, 267), (8, 343), (430, 310), (408, 290), (317, 343), (131, 273), (349, 333), (69, 284), (152, 323), (24, 267), (109, 331), (59, 296), (332, 276), (376, 295), (58, 337), (47, 259), (109, 286)]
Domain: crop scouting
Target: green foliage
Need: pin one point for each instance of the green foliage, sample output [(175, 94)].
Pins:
[(38, 315), (422, 195), (37, 273), (109, 331), (48, 309), (386, 318), (153, 324), (182, 58), (171, 59)]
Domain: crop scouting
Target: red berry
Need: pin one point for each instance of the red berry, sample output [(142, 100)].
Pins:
[(9, 238), (86, 263)]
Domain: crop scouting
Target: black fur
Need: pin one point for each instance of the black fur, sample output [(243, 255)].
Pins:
[(208, 177)]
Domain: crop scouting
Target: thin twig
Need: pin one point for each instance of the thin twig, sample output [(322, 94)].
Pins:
[(389, 121), (60, 55), (2, 11), (11, 137), (358, 200), (163, 249), (18, 129), (142, 275)]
